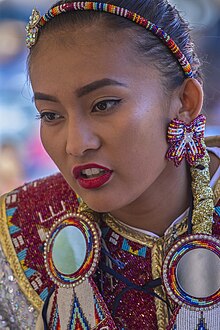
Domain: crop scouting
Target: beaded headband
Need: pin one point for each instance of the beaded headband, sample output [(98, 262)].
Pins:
[(36, 22)]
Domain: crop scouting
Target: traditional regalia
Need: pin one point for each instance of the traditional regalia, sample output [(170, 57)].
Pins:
[(124, 290), (77, 269)]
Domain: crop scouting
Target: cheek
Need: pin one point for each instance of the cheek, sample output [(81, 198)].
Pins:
[(50, 143), (45, 139), (144, 131), (143, 145)]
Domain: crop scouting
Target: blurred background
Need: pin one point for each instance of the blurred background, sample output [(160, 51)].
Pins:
[(22, 157)]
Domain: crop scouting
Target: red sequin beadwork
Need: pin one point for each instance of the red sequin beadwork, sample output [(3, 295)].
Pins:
[(135, 307), (31, 211)]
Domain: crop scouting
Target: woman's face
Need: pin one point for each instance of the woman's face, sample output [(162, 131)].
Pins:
[(104, 115)]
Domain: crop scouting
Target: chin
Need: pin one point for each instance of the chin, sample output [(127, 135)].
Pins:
[(100, 207), (102, 203), (101, 200)]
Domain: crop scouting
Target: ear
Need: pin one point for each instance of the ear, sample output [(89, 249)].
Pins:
[(191, 97)]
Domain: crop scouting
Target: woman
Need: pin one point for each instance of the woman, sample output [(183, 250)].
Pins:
[(107, 83)]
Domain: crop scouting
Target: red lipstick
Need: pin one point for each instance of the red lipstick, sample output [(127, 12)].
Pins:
[(91, 176)]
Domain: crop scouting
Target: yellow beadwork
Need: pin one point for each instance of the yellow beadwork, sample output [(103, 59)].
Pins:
[(203, 196), (157, 254)]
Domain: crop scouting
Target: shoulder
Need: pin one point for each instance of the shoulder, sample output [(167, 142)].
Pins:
[(213, 146), (27, 214), (212, 141), (42, 199)]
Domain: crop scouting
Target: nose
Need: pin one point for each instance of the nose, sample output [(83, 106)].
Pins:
[(80, 138)]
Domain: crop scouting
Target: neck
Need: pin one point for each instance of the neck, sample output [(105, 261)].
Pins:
[(166, 199)]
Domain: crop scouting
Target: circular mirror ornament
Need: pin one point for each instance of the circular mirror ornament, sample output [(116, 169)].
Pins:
[(191, 272), (72, 250)]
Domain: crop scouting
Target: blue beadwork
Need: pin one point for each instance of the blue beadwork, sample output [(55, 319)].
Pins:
[(78, 316), (141, 252), (202, 325), (217, 210)]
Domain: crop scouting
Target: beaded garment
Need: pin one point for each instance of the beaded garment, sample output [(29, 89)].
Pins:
[(26, 216)]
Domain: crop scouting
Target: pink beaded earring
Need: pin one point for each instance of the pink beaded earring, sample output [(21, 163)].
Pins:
[(186, 140)]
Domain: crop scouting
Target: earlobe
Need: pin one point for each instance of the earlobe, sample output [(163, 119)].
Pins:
[(191, 96)]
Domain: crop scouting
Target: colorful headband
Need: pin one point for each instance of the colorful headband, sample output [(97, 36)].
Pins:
[(37, 22)]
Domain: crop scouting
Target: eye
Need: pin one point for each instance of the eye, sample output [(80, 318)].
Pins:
[(106, 105), (48, 117)]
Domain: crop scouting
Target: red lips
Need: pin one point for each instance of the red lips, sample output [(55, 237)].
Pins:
[(92, 182)]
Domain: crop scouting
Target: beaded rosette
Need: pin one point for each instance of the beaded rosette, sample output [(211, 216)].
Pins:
[(89, 234), (186, 293)]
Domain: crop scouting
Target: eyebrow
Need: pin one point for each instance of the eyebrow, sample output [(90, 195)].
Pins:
[(82, 91), (96, 85), (44, 97)]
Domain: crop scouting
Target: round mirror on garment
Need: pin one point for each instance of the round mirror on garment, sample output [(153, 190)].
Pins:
[(198, 273), (191, 272), (72, 250), (69, 250)]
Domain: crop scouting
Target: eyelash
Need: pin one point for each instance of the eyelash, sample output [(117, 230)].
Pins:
[(115, 103), (44, 116)]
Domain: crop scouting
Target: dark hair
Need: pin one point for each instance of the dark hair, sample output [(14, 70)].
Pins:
[(149, 47)]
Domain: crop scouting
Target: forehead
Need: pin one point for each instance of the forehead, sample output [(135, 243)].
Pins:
[(86, 54), (92, 41)]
